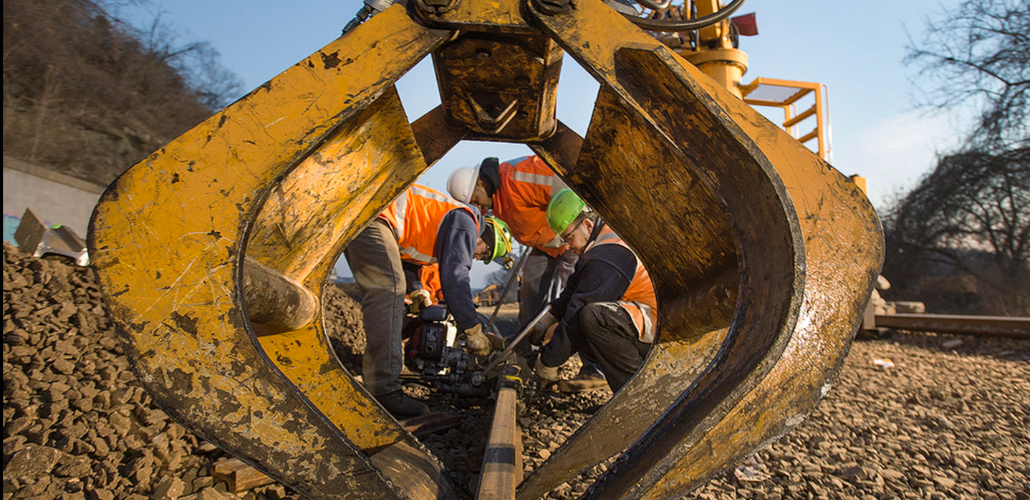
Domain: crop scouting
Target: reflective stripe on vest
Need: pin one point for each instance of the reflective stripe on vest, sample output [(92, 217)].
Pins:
[(639, 299), (527, 186), (551, 182), (415, 217)]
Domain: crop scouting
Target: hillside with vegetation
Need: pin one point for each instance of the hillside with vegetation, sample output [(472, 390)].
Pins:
[(88, 95)]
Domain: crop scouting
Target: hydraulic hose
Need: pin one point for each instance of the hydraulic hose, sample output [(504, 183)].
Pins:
[(688, 25)]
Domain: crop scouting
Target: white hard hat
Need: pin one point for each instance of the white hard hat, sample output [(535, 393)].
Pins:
[(462, 183)]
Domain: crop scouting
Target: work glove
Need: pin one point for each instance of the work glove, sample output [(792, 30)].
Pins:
[(497, 342), (538, 334), (420, 300), (476, 341)]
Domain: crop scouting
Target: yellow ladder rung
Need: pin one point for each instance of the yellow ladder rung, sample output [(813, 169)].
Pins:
[(811, 135), (794, 121)]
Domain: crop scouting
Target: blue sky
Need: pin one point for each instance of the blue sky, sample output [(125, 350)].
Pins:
[(855, 48)]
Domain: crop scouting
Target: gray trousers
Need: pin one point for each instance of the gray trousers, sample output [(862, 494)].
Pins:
[(375, 260), (543, 279), (536, 282)]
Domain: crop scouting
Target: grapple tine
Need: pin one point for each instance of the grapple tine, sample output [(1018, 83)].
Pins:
[(710, 401), (843, 254), (170, 238)]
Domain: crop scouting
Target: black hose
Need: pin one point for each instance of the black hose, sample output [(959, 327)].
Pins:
[(688, 25)]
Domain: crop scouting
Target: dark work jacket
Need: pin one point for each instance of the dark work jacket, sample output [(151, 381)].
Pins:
[(455, 243), (603, 274)]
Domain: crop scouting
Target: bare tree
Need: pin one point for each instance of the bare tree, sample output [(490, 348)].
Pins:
[(197, 62), (979, 54), (970, 216), (87, 95)]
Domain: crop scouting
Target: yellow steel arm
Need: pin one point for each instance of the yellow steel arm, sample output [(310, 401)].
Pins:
[(170, 235), (842, 253)]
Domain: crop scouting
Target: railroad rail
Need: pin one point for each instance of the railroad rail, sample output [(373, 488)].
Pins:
[(948, 323), (502, 461)]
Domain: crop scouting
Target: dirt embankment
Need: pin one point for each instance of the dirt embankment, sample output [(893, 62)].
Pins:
[(912, 416)]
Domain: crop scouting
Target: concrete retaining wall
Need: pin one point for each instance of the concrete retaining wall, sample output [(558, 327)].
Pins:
[(54, 197)]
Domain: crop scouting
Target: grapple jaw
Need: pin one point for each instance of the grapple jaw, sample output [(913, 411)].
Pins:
[(762, 255)]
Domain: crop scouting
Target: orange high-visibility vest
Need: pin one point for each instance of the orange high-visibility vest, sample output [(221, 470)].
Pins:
[(639, 300), (429, 276), (415, 218), (527, 185)]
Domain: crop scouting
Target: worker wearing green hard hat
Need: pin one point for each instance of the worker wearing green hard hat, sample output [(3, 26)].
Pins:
[(421, 227), (497, 237), (564, 208), (608, 310)]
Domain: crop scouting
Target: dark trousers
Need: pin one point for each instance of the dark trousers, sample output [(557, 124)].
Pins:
[(604, 331)]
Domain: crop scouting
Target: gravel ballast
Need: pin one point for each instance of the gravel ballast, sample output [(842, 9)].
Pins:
[(912, 416)]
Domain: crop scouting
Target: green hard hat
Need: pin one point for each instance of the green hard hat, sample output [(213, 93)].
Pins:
[(502, 237), (563, 209)]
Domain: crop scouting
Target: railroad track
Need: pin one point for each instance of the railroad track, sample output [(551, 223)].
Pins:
[(961, 324)]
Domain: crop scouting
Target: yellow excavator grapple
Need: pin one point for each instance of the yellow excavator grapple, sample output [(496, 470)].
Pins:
[(213, 252)]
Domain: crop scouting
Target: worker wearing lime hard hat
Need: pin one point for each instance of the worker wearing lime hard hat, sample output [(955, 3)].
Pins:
[(518, 191), (608, 308), (422, 226)]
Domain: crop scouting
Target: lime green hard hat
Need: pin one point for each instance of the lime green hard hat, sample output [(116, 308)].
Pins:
[(563, 209), (502, 237)]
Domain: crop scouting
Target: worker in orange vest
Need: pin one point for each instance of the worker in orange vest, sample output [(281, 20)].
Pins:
[(608, 310), (421, 226), (518, 192)]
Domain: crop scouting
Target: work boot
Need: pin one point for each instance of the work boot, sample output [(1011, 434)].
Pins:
[(584, 381), (401, 405)]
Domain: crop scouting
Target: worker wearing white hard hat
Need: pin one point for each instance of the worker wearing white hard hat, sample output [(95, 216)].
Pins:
[(421, 227), (518, 191)]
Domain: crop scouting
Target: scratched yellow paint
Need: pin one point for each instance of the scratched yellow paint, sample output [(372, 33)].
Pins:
[(841, 258), (350, 178), (504, 15), (296, 167), (322, 381), (167, 241), (304, 223)]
